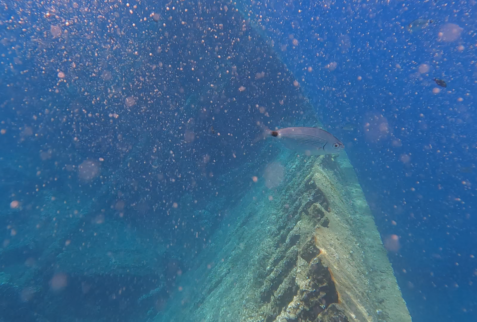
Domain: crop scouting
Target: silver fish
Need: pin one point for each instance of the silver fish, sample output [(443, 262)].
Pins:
[(307, 140), (418, 24)]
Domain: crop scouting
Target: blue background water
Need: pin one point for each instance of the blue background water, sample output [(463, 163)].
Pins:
[(413, 149)]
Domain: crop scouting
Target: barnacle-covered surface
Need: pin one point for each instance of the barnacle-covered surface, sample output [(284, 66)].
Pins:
[(305, 251)]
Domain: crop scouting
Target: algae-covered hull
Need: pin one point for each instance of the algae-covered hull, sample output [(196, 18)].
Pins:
[(307, 250), (164, 203)]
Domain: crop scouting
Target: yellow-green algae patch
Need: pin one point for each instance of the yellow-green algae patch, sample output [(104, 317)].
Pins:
[(305, 251)]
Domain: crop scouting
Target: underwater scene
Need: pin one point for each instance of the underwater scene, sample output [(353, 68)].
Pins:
[(238, 160)]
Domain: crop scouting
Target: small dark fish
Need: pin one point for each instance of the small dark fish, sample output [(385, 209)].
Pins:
[(466, 170), (440, 82), (349, 127), (212, 130), (418, 24), (307, 140)]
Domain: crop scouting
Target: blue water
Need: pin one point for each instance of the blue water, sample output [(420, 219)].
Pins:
[(110, 117)]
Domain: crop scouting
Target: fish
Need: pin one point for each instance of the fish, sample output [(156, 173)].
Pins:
[(440, 82), (306, 140), (466, 169), (349, 127), (419, 24)]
